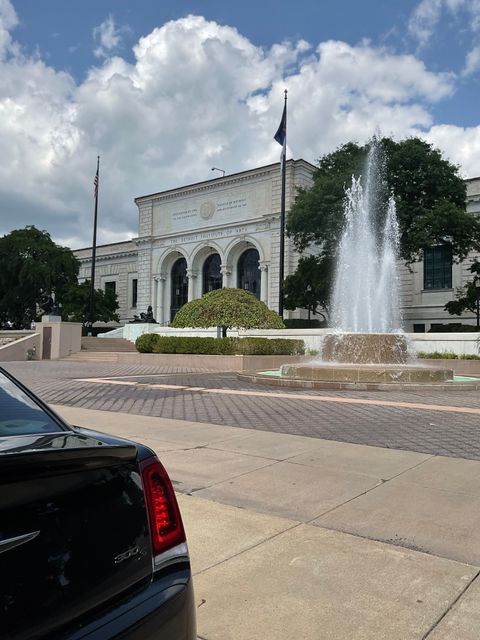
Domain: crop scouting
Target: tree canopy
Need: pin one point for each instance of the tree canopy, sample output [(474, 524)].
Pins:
[(308, 288), (466, 298), (32, 267), (76, 307), (227, 308), (430, 199)]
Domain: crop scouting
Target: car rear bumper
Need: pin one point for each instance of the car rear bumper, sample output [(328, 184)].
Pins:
[(165, 609)]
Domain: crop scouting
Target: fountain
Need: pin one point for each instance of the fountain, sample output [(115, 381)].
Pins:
[(366, 345), (366, 348)]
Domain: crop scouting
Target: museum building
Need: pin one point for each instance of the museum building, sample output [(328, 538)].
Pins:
[(225, 232)]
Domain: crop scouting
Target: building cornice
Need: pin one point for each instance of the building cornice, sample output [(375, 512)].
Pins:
[(111, 244), (209, 185), (111, 256)]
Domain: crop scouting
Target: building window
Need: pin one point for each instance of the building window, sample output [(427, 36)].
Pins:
[(111, 286), (212, 278), (248, 277), (134, 292), (179, 287), (437, 267)]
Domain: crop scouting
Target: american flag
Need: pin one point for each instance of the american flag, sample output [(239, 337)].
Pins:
[(95, 185)]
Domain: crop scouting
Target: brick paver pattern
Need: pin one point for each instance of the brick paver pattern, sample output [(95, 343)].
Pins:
[(295, 411)]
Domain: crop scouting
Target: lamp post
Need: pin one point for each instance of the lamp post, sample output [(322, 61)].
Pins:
[(477, 291), (217, 169)]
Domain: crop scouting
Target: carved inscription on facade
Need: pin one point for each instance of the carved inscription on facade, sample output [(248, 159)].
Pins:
[(208, 235), (225, 206)]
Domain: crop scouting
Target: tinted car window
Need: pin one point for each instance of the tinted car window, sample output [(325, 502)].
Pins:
[(19, 414)]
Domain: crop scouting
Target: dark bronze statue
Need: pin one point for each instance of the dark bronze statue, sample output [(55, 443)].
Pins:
[(144, 317), (49, 305)]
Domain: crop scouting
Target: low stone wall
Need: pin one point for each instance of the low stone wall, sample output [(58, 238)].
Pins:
[(459, 343), (18, 349), (214, 363), (460, 367), (311, 337)]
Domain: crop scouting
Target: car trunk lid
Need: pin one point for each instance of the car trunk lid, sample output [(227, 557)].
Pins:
[(73, 531)]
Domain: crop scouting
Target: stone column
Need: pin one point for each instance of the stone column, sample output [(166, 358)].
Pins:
[(191, 275), (226, 271), (264, 282), (154, 299), (160, 301)]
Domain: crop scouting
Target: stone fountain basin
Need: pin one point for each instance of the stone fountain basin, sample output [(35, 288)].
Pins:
[(365, 348), (369, 373)]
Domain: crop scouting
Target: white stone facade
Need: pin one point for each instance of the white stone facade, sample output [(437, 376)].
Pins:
[(228, 216), (423, 307), (114, 263), (225, 216)]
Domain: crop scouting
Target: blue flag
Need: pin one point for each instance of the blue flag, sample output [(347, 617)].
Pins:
[(281, 134)]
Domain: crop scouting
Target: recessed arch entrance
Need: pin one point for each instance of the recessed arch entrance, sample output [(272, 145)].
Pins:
[(248, 272), (211, 273), (178, 286)]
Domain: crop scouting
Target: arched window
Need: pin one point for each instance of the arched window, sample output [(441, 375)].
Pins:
[(248, 277), (179, 287), (212, 278)]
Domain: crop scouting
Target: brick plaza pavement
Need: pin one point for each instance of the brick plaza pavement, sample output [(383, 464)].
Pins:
[(213, 397)]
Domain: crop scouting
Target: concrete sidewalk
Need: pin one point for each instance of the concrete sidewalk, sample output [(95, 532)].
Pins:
[(295, 537)]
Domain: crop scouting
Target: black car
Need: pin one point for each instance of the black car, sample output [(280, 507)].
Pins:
[(92, 545)]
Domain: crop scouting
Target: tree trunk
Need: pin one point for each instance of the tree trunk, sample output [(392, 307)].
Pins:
[(224, 332)]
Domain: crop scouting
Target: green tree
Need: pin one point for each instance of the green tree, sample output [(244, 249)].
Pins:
[(309, 287), (466, 297), (429, 194), (32, 267), (227, 308), (76, 304), (431, 200)]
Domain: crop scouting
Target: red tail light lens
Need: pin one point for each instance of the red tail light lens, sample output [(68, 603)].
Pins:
[(166, 525)]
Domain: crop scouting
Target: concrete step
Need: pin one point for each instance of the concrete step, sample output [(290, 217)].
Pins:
[(104, 345), (92, 356)]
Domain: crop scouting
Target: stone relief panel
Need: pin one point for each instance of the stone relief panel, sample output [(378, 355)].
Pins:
[(224, 206)]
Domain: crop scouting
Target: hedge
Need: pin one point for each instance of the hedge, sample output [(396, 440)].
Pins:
[(446, 355), (154, 343)]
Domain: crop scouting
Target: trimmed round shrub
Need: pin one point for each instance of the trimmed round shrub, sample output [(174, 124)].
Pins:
[(227, 308)]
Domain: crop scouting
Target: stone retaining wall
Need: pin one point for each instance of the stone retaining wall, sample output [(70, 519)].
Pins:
[(25, 347), (214, 363)]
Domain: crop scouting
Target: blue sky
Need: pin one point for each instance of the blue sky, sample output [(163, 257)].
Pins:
[(164, 90), (63, 34)]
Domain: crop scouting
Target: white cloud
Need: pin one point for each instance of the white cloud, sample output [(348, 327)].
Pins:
[(472, 62), (8, 20), (460, 145), (197, 95), (8, 17), (108, 37), (424, 20), (428, 13)]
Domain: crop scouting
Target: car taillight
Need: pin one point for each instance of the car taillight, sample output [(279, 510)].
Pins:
[(166, 525)]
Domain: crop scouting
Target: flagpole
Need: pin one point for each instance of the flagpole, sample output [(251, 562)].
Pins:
[(282, 218), (91, 313)]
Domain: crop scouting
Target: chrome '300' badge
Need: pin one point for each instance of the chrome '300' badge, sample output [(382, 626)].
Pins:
[(129, 553)]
